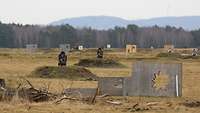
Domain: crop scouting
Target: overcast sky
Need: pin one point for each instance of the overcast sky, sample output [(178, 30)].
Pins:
[(46, 11)]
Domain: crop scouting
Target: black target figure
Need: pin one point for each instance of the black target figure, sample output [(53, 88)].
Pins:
[(62, 59), (100, 53)]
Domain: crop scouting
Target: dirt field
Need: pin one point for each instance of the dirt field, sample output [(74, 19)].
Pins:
[(15, 65)]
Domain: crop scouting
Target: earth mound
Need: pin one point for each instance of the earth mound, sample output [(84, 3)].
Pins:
[(171, 55), (70, 72), (177, 55), (99, 63)]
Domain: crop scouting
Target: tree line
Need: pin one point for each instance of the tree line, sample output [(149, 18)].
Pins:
[(17, 36)]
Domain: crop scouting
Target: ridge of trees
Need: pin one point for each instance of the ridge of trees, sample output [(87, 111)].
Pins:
[(17, 35)]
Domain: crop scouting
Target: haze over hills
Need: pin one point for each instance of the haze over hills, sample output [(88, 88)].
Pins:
[(107, 22)]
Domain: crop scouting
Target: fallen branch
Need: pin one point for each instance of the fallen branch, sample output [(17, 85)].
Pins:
[(114, 102), (152, 103), (29, 83), (102, 96), (66, 98)]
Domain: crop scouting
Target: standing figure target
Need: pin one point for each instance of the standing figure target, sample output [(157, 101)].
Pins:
[(62, 59)]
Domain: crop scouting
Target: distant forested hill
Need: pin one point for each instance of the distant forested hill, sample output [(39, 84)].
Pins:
[(108, 22)]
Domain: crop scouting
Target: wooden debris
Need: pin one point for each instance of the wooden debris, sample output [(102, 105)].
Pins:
[(138, 107), (191, 103), (66, 98), (31, 94), (152, 103), (114, 102), (102, 96)]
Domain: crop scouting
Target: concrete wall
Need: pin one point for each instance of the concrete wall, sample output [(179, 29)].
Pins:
[(142, 82), (148, 79), (111, 86)]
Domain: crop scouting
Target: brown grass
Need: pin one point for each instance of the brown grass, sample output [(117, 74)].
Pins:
[(16, 65)]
